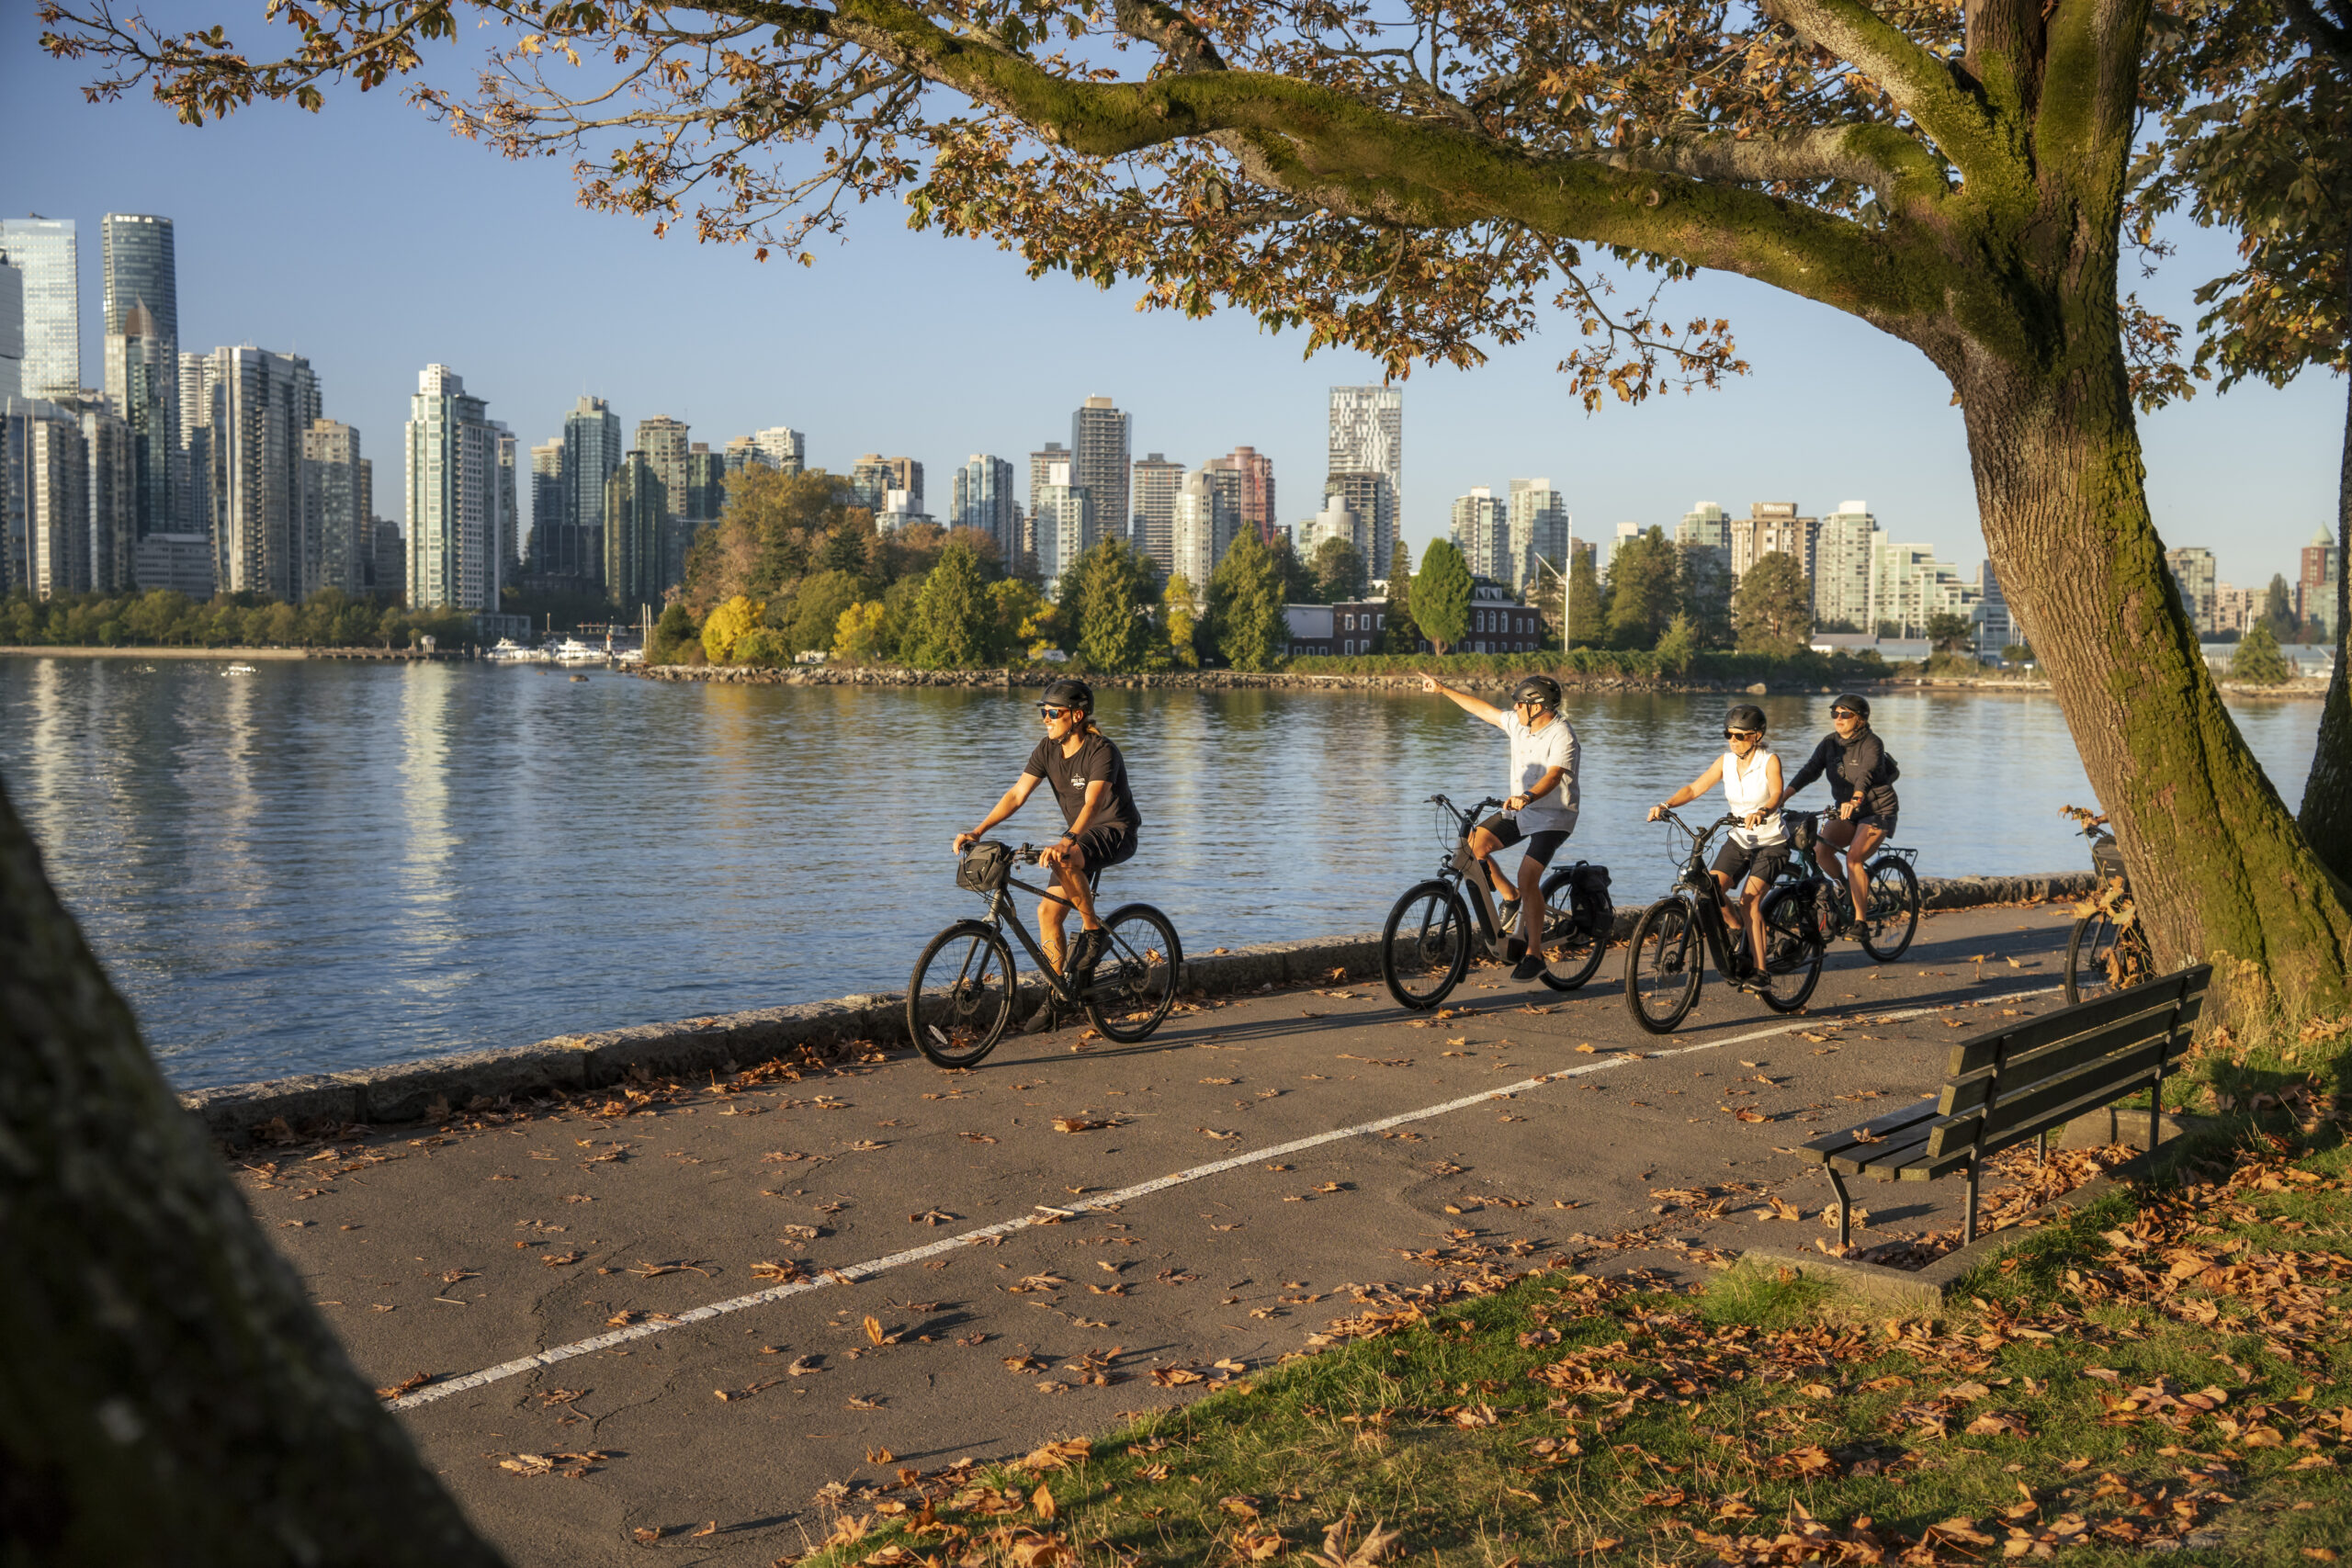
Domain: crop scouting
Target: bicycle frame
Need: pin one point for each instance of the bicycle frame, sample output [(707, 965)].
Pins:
[(1697, 884), (1001, 912), (1460, 867)]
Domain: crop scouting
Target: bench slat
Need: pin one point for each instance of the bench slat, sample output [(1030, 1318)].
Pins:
[(1984, 1050), (2028, 1111), (1882, 1161), (2019, 1075), (1875, 1129), (1930, 1169)]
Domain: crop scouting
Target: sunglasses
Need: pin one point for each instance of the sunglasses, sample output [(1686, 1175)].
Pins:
[(1049, 714), (1742, 734), (1843, 713)]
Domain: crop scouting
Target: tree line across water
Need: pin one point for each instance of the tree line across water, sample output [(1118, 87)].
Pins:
[(163, 618)]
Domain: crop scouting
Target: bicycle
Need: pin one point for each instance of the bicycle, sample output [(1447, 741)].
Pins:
[(960, 1021), (1426, 945), (1894, 916), (1667, 959), (2107, 951)]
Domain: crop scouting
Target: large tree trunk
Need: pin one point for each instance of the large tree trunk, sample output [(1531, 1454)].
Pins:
[(2327, 794), (2221, 870), (167, 1395)]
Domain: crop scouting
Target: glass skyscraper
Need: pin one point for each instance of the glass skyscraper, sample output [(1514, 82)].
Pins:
[(592, 452), (1367, 436), (45, 251), (455, 491), (1099, 465)]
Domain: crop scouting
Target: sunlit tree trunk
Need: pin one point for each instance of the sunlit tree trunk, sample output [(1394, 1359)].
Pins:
[(2327, 794), (167, 1395)]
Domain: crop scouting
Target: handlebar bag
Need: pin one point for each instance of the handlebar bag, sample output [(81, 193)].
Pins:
[(1803, 828), (986, 867)]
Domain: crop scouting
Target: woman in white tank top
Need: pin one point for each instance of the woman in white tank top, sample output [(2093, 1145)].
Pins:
[(1754, 852)]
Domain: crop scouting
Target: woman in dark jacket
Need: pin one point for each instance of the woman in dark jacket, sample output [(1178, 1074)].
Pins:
[(1862, 792)]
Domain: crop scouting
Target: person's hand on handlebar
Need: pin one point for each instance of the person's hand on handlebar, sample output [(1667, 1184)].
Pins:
[(1753, 818), (964, 841), (1660, 812)]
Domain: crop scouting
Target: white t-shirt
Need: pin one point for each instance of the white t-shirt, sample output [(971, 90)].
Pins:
[(1533, 753)]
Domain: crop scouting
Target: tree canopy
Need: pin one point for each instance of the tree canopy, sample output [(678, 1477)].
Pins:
[(1442, 595)]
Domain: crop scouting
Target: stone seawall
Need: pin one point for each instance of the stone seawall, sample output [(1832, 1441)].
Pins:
[(409, 1092)]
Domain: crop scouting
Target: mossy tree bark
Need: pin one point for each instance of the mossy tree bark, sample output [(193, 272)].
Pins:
[(2327, 794), (168, 1395)]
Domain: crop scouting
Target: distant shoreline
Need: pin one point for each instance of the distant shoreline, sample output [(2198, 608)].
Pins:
[(147, 652)]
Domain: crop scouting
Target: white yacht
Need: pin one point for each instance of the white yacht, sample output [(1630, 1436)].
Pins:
[(509, 651), (571, 651)]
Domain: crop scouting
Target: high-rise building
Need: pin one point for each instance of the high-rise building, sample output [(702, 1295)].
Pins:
[(1367, 436), (1152, 487), (743, 453), (2319, 574), (338, 531), (706, 483), (1099, 464), (667, 444), (1041, 467), (1773, 527), (110, 459), (2192, 570), (1841, 568), (1625, 534), (906, 474), (574, 549), (142, 370), (1702, 551), (57, 513), (982, 499), (2234, 609), (1334, 521), (1065, 521), (1908, 585), (1539, 530), (510, 509), (1481, 531), (12, 329), (869, 481), (1253, 488), (1996, 628), (637, 509), (256, 406), (547, 513), (1371, 497), (456, 488), (44, 250), (142, 277), (1202, 528), (391, 559), (785, 450)]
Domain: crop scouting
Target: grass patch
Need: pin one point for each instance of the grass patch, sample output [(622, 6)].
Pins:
[(2169, 1369)]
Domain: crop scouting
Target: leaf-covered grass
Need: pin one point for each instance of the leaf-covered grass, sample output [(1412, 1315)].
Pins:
[(2163, 1369)]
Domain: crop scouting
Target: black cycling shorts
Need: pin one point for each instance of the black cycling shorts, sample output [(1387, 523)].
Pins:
[(1106, 844), (1883, 821), (1541, 847), (1763, 862)]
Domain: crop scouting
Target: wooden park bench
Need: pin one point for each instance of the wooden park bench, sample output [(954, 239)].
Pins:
[(2015, 1083)]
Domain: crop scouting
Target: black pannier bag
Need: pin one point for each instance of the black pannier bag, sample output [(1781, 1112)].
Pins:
[(1804, 829), (1594, 913), (986, 867)]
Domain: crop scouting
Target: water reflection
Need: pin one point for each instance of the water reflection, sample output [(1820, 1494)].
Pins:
[(323, 865)]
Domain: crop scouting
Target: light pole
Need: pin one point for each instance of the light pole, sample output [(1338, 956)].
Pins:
[(1567, 598)]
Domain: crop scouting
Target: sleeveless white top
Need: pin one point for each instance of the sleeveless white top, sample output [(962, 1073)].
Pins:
[(1746, 790)]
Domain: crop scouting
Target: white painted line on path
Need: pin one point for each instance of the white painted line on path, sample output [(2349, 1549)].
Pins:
[(866, 1270)]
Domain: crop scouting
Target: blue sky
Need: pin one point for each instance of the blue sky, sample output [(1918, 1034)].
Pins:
[(370, 240)]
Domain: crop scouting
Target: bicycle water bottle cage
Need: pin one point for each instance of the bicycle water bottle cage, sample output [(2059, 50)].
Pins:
[(986, 867)]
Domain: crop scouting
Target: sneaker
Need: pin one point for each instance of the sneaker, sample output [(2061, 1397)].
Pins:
[(1527, 967), (1511, 915), (1046, 1020), (1087, 949)]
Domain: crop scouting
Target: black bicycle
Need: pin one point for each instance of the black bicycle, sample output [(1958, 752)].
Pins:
[(965, 987), (2107, 951), (1425, 947), (1894, 917), (1672, 942)]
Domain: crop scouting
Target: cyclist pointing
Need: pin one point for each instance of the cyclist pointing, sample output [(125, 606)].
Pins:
[(1544, 754), (1862, 783), (1090, 780)]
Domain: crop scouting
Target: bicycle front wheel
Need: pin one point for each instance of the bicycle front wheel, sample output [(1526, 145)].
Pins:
[(1570, 953), (1129, 989), (1425, 947), (1895, 909), (961, 999), (1793, 949), (1664, 963), (2103, 958)]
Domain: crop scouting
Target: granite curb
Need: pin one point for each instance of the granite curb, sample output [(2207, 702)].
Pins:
[(419, 1090)]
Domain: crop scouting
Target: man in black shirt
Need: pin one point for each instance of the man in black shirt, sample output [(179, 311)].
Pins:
[(1862, 792), (1090, 780)]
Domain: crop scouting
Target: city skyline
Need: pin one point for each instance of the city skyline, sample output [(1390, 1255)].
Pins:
[(2250, 474)]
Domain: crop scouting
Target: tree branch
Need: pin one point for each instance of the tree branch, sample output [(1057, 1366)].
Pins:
[(2325, 34), (1920, 83), (1903, 174)]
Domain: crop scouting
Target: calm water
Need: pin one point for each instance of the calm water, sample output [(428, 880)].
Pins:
[(323, 865)]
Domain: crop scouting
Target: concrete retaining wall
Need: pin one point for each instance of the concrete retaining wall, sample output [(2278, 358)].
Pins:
[(408, 1092)]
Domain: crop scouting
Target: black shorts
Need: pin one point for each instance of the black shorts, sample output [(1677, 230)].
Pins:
[(1763, 862), (1106, 844), (1541, 847), (1883, 821)]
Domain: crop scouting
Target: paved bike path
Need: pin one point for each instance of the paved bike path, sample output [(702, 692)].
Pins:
[(451, 1253)]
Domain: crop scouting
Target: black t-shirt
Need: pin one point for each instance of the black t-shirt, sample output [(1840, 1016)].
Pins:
[(1096, 759)]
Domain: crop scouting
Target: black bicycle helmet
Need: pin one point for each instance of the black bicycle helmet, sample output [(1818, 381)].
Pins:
[(1859, 705), (1068, 693), (1539, 689), (1745, 716)]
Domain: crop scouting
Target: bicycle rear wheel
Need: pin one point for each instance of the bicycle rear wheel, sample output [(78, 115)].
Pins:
[(962, 996), (1895, 909), (1425, 947), (2103, 958), (1793, 949), (1570, 953), (1664, 963), (1129, 989)]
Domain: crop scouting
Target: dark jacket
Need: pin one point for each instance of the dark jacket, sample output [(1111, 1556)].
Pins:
[(1860, 764)]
